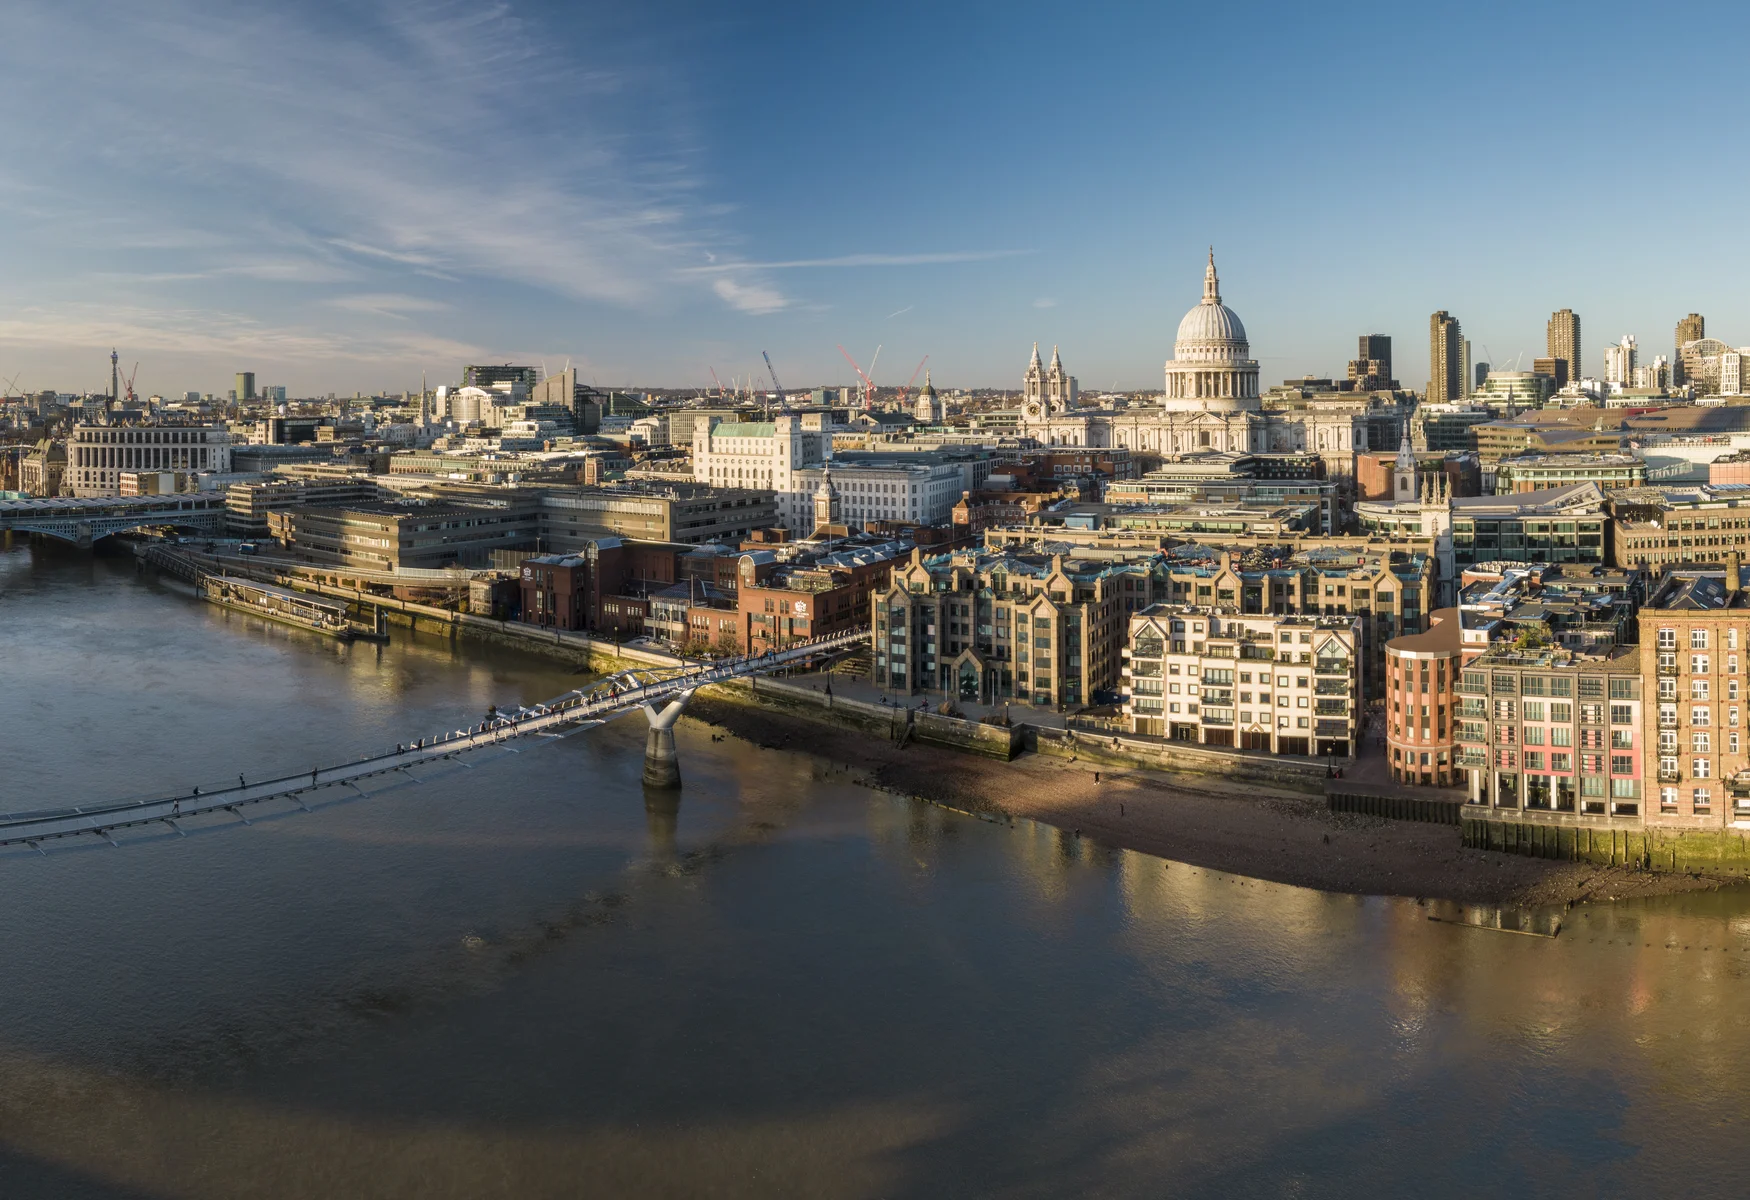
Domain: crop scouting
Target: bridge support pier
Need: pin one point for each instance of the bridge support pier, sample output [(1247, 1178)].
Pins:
[(662, 765)]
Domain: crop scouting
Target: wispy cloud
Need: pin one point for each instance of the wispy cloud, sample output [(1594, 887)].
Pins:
[(900, 312), (391, 138), (861, 260), (386, 304), (1045, 302), (210, 332), (750, 297)]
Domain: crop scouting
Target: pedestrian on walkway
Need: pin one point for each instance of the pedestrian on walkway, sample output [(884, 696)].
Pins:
[(312, 776), (240, 782)]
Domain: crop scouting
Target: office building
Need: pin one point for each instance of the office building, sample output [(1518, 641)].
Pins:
[(98, 454), (1556, 525), (489, 376), (1555, 368), (1376, 348), (393, 537), (1446, 381), (1563, 341), (570, 518), (245, 389), (1690, 329)]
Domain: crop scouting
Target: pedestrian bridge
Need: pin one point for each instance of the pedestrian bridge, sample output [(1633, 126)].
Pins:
[(660, 692), (85, 520)]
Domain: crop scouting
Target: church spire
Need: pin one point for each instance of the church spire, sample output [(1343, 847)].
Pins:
[(1036, 362), (1406, 455), (1211, 284), (1056, 362)]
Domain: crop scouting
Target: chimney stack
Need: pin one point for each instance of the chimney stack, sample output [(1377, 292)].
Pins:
[(1732, 577)]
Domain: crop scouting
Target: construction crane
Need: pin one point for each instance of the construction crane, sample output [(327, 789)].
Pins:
[(717, 381), (782, 403), (860, 375), (129, 384), (914, 378), (866, 376), (12, 384)]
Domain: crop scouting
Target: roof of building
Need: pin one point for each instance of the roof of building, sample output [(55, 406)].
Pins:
[(729, 429), (1444, 635), (1540, 502), (1695, 591)]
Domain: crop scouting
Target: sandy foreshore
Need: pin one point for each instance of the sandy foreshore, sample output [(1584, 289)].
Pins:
[(1285, 837)]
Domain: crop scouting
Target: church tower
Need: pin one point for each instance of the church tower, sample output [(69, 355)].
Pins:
[(826, 503), (1403, 486), (1060, 385)]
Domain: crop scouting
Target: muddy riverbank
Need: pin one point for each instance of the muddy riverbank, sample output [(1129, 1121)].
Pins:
[(1276, 835)]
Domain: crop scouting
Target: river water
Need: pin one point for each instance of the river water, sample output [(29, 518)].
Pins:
[(523, 979)]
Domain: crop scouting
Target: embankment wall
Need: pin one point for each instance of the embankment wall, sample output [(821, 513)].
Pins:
[(1697, 851)]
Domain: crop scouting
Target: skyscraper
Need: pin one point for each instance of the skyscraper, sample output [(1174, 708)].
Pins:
[(1689, 329), (1376, 347), (1564, 343), (1446, 382), (1620, 361), (1464, 371), (245, 385)]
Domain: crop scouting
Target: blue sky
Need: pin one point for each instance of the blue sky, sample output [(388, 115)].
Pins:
[(342, 195)]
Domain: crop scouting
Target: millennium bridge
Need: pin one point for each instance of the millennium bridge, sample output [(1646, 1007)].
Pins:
[(662, 693), (85, 520)]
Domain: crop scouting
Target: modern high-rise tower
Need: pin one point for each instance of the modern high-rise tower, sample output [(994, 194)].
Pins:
[(1689, 329), (245, 386), (1446, 382), (1376, 347), (1564, 341)]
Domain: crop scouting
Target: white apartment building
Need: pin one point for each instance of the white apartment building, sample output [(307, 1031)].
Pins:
[(97, 455), (1279, 684)]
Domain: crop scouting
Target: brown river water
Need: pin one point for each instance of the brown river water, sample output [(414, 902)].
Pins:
[(528, 979)]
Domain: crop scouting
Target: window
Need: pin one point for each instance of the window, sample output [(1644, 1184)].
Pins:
[(1622, 764), (1668, 798), (1621, 714), (1698, 664), (1667, 639), (1699, 768), (1699, 742), (1701, 798), (1561, 736), (1698, 639), (1698, 689), (1533, 735)]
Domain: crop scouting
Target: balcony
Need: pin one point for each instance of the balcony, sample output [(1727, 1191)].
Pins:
[(1667, 720), (1666, 776)]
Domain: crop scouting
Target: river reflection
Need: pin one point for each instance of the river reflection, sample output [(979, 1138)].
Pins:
[(533, 978)]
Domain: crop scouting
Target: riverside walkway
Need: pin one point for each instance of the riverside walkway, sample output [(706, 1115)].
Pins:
[(649, 689)]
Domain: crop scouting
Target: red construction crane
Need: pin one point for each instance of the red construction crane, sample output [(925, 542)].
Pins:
[(129, 383), (914, 378), (717, 381), (868, 387)]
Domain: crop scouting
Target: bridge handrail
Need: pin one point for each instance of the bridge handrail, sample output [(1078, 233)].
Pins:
[(575, 705)]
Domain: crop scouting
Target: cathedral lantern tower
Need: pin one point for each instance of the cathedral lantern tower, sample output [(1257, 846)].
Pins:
[(1212, 369)]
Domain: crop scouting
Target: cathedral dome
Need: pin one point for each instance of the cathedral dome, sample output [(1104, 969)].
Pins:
[(1211, 322), (1212, 369)]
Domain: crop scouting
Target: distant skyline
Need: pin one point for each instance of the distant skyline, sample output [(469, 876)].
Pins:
[(341, 196)]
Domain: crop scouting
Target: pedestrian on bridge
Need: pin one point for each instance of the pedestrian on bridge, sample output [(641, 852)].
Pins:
[(240, 782)]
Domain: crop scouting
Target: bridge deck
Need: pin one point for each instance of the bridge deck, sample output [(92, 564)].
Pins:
[(578, 708)]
